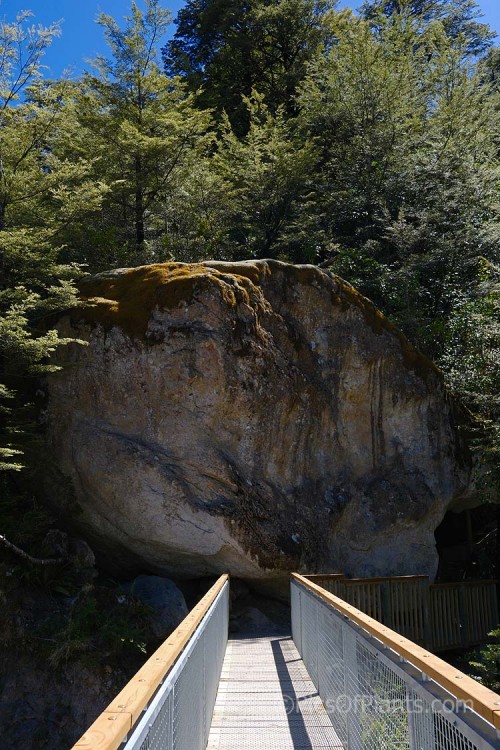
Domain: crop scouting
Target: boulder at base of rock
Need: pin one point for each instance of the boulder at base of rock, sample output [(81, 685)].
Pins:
[(254, 417), (165, 600)]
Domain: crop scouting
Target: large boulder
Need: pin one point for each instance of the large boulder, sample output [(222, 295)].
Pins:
[(254, 417), (166, 601)]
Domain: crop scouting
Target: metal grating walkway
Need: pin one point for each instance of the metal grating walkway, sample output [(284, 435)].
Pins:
[(266, 700)]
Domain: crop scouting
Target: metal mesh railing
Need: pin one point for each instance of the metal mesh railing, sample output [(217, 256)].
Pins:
[(180, 714), (377, 700)]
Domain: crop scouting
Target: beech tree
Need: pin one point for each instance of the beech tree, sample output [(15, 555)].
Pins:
[(267, 184), (460, 18), (141, 133), (224, 49), (407, 175), (33, 280)]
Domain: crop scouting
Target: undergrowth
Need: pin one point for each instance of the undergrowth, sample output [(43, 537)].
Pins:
[(55, 611), (485, 662)]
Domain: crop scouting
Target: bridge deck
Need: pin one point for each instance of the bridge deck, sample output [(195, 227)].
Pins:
[(266, 700)]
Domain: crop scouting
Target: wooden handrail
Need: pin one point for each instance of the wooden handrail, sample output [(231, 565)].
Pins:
[(381, 579), (111, 728), (484, 702), (451, 584), (341, 577)]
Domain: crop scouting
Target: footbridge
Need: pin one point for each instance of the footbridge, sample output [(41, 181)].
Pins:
[(341, 680)]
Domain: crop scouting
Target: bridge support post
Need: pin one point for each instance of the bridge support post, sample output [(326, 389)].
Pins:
[(354, 698), (412, 733), (296, 604)]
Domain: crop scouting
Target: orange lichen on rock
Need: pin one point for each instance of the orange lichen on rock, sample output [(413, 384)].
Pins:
[(255, 271), (126, 299)]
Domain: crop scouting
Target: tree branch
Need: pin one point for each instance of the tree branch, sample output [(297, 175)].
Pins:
[(33, 560)]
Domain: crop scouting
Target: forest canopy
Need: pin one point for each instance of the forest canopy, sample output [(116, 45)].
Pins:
[(364, 142)]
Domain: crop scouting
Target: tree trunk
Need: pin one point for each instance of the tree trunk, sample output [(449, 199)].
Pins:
[(139, 205)]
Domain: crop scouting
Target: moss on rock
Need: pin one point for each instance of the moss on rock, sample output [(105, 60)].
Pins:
[(127, 298)]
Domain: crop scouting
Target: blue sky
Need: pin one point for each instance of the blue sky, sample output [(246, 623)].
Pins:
[(82, 38)]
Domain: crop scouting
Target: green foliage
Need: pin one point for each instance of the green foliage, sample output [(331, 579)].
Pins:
[(471, 361), (266, 179), (100, 625), (22, 518), (21, 44), (33, 282), (142, 140), (459, 18), (485, 663), (489, 69), (225, 49), (407, 178)]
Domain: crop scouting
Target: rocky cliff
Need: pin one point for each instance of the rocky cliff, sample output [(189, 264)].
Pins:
[(254, 417)]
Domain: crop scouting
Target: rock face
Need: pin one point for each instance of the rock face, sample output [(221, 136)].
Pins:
[(255, 418), (165, 600)]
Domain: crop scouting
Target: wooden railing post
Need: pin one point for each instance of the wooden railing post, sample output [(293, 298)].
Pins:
[(464, 620), (387, 613), (426, 613), (340, 586), (495, 615)]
